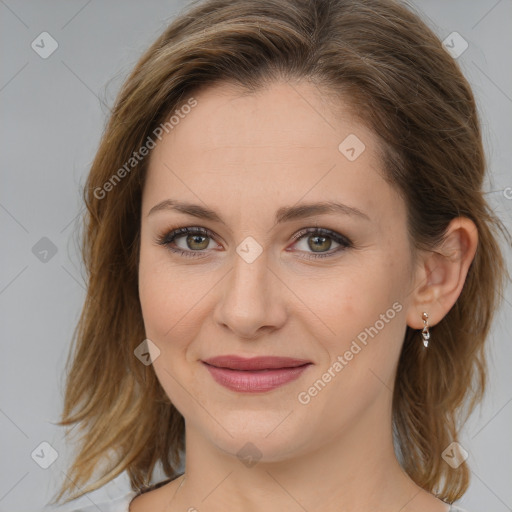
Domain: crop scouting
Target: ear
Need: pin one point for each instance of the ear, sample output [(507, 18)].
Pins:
[(441, 273)]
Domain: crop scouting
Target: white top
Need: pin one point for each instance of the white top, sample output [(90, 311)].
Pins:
[(122, 504)]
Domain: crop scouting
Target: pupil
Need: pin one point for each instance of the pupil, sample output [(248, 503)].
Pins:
[(196, 239), (316, 245)]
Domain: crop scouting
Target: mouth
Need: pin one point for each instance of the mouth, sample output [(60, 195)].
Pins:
[(257, 374), (232, 362)]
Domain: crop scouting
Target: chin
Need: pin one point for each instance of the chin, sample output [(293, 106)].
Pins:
[(262, 437)]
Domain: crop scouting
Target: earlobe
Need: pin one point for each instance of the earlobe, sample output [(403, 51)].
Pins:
[(442, 273)]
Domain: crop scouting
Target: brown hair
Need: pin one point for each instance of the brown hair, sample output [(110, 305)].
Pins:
[(409, 90)]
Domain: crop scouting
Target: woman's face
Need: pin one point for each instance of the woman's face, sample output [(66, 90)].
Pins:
[(336, 298)]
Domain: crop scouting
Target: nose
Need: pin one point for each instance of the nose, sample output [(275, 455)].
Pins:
[(252, 298)]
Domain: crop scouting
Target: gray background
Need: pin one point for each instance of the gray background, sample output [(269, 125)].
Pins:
[(53, 112)]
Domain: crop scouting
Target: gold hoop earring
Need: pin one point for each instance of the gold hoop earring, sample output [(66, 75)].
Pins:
[(425, 332)]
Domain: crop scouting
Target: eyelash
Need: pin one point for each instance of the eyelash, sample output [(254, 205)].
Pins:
[(167, 238)]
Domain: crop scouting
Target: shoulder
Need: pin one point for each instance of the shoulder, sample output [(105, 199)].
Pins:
[(455, 508), (132, 501), (119, 504), (150, 498)]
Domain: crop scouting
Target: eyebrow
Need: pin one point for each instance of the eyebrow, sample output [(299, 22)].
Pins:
[(283, 214)]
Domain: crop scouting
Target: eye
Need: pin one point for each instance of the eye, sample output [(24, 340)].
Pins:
[(197, 239), (320, 239)]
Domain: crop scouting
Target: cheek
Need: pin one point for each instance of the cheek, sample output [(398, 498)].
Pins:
[(164, 309), (369, 324), (150, 294), (157, 294), (360, 316), (347, 298), (172, 300)]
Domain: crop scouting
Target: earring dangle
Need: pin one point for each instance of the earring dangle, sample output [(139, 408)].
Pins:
[(425, 332)]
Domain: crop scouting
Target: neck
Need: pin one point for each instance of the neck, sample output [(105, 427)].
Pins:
[(355, 470)]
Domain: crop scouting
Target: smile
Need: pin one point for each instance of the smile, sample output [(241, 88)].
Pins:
[(255, 375)]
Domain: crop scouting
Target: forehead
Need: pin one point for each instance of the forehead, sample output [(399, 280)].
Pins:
[(279, 144), (280, 115)]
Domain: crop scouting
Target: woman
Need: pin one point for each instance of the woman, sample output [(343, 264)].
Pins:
[(292, 267)]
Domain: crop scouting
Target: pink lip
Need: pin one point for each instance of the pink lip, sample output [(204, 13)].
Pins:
[(257, 374)]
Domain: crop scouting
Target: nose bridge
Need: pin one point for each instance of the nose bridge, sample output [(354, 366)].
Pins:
[(247, 302), (249, 279)]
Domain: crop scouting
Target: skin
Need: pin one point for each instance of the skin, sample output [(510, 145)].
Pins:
[(245, 156)]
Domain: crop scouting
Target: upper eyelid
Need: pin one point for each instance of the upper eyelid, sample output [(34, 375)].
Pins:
[(295, 237)]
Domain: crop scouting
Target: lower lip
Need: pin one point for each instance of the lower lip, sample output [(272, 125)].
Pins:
[(246, 381)]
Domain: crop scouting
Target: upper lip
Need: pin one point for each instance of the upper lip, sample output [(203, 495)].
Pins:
[(254, 363)]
